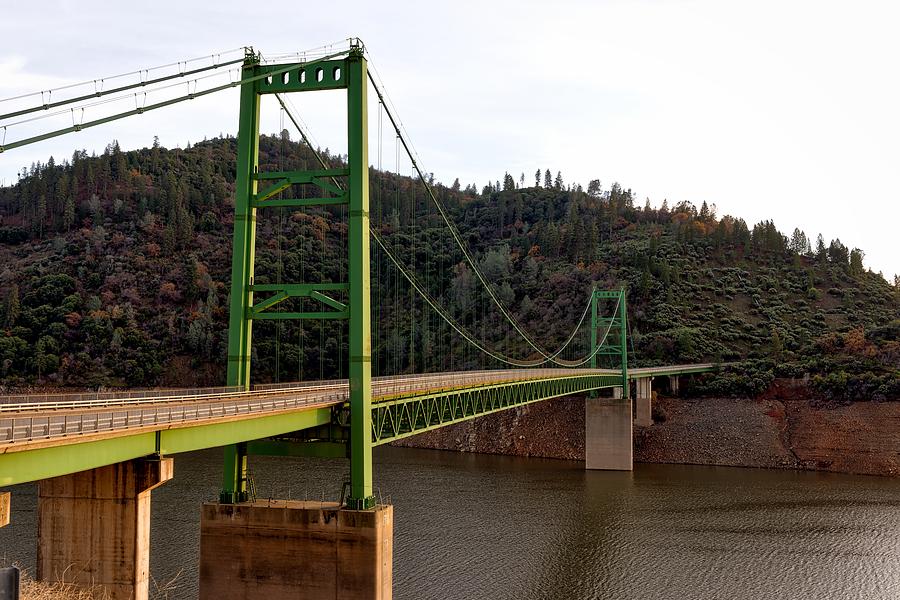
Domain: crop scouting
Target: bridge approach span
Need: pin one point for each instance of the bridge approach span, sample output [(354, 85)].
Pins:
[(44, 436)]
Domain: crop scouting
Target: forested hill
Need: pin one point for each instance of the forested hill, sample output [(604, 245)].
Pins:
[(116, 270)]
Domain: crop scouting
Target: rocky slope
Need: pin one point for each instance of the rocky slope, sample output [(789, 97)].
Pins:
[(861, 437)]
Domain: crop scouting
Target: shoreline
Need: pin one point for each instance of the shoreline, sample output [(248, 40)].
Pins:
[(861, 438)]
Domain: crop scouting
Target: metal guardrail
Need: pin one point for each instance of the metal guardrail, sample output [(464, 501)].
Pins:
[(78, 396), (165, 397), (52, 414), (54, 419), (62, 424)]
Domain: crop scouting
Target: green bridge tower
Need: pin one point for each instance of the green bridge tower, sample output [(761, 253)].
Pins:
[(255, 190)]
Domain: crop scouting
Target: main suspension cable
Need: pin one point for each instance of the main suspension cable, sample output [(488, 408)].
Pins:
[(453, 230), (141, 110), (100, 93), (547, 357), (141, 72), (469, 337)]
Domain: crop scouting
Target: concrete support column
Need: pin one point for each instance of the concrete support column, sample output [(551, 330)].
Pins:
[(282, 549), (644, 402), (673, 384), (94, 526), (4, 508), (607, 435)]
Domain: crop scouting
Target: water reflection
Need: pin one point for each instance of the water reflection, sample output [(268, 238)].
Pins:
[(474, 526)]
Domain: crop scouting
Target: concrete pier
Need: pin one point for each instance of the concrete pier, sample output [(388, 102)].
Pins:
[(607, 435), (4, 508), (283, 549), (644, 402), (673, 384), (94, 526)]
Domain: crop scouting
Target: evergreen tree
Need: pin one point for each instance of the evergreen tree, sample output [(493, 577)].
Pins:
[(820, 248), (856, 261), (12, 306), (69, 212)]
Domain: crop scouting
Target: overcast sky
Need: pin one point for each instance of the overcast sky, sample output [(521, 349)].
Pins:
[(783, 110)]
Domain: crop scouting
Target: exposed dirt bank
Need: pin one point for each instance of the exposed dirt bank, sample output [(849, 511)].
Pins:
[(863, 437)]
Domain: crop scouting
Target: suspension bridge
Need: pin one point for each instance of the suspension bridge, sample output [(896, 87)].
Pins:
[(97, 456)]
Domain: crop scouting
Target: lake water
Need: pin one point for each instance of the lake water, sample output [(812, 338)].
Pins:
[(476, 526)]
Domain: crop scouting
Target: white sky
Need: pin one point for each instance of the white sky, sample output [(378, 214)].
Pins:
[(785, 110)]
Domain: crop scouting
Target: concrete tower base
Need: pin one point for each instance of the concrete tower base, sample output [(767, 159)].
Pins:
[(607, 433), (644, 402), (94, 526), (291, 549)]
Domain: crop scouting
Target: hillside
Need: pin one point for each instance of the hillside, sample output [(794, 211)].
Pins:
[(116, 271)]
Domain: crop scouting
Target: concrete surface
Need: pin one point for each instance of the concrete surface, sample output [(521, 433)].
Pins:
[(644, 402), (94, 526), (302, 550), (607, 434)]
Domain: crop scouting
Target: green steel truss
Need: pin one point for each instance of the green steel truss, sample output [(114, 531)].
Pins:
[(348, 73), (615, 327), (402, 417)]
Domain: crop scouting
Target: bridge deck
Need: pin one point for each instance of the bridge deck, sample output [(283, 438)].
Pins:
[(55, 434)]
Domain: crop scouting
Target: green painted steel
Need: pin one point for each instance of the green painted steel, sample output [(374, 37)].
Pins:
[(188, 439), (350, 73), (43, 463), (324, 179), (303, 77), (623, 336), (618, 328), (315, 449), (360, 368), (403, 417), (22, 466), (244, 248), (593, 328)]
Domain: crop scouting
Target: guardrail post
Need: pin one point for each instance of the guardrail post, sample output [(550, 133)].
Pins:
[(9, 583)]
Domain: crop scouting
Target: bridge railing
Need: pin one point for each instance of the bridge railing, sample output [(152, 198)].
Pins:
[(82, 403), (47, 426), (382, 386), (129, 413), (112, 395)]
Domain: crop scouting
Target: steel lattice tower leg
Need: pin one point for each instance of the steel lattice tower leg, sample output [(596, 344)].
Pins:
[(348, 73)]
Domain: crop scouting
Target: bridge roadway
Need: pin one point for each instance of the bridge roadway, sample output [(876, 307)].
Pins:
[(65, 432)]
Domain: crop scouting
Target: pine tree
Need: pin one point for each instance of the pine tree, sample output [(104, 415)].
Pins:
[(69, 212), (856, 261), (820, 248), (12, 306), (704, 212), (548, 179)]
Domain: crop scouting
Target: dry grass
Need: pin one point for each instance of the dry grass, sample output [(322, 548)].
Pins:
[(32, 589), (61, 590)]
